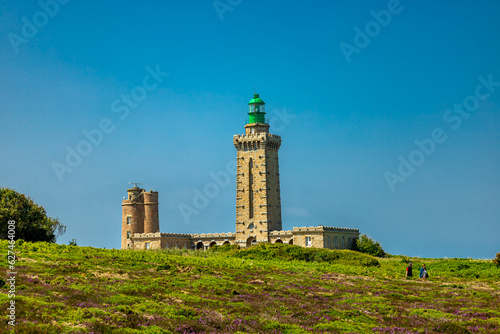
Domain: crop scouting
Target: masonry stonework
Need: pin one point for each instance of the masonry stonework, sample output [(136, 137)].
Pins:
[(258, 203)]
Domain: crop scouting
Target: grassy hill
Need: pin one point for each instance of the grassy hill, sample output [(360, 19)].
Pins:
[(264, 289)]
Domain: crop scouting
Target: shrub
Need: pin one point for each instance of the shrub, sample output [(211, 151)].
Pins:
[(72, 242), (164, 266), (405, 259), (59, 280), (451, 328), (268, 251), (368, 246), (224, 248), (496, 260)]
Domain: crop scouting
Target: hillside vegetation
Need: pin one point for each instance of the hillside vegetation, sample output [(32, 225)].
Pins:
[(263, 289)]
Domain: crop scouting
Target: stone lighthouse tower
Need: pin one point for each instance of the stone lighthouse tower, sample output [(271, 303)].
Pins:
[(139, 214), (258, 201)]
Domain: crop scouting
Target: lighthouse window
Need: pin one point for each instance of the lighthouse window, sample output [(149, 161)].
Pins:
[(128, 234), (129, 220), (148, 245)]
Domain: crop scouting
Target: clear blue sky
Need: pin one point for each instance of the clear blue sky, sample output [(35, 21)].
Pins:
[(361, 82)]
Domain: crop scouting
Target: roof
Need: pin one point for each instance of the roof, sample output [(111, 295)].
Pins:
[(256, 99)]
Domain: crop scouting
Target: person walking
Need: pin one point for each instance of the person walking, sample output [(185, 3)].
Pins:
[(423, 272), (409, 272)]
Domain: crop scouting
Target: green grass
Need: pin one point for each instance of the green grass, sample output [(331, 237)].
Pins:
[(268, 288)]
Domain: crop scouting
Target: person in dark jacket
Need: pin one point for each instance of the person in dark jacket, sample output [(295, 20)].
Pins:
[(409, 272)]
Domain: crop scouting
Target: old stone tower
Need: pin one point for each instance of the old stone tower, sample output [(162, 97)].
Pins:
[(139, 214), (258, 202)]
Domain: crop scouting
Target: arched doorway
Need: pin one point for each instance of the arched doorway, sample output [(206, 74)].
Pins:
[(279, 241), (251, 241), (290, 242), (226, 243), (200, 245), (213, 243)]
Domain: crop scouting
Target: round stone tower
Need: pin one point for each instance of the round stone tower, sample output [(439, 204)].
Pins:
[(151, 220), (132, 216)]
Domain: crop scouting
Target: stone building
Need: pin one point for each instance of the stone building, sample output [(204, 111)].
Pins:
[(258, 203)]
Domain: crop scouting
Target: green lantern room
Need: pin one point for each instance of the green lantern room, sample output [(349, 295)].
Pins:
[(256, 110), (257, 122)]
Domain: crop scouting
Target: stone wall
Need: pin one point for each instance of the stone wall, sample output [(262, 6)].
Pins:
[(285, 237), (162, 241), (313, 236), (207, 240)]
